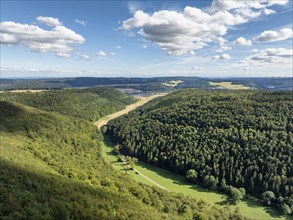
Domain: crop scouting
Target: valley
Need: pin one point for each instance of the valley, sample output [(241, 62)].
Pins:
[(146, 110), (30, 118), (52, 165), (180, 125), (249, 207)]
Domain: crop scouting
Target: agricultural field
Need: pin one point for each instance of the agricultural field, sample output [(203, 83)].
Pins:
[(142, 100), (229, 85), (25, 90), (172, 83)]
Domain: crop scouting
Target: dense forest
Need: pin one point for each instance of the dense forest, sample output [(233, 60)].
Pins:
[(90, 104), (51, 168), (233, 141)]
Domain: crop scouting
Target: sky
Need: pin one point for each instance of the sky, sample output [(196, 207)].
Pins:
[(219, 38)]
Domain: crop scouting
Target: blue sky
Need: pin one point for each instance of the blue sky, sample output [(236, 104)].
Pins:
[(220, 38)]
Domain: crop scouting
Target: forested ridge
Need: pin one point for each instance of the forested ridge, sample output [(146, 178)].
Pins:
[(90, 104), (145, 84), (233, 141), (51, 168)]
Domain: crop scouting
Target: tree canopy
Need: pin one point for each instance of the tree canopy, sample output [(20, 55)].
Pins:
[(51, 168), (244, 138)]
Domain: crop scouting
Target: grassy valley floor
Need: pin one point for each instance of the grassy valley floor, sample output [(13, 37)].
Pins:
[(249, 208)]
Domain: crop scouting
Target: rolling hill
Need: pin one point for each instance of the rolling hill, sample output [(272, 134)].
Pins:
[(51, 168), (225, 140), (153, 84), (90, 104)]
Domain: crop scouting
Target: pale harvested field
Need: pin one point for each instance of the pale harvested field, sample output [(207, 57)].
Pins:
[(172, 83), (229, 85), (103, 121), (20, 91)]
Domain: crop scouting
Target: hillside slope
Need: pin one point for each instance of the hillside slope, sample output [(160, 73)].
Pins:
[(51, 168), (219, 139), (90, 104)]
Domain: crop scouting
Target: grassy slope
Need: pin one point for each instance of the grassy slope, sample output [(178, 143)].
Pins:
[(41, 179), (249, 208)]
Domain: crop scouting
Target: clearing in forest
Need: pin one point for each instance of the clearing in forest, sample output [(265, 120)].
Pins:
[(228, 85), (172, 83)]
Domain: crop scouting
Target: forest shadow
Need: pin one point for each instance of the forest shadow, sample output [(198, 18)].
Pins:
[(112, 153), (180, 180), (38, 194), (256, 203), (13, 116), (108, 141), (175, 178), (224, 202)]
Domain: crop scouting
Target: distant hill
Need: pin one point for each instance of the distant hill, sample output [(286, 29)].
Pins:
[(217, 138), (90, 104), (145, 84)]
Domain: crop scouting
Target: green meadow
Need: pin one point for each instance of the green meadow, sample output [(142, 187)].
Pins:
[(250, 208)]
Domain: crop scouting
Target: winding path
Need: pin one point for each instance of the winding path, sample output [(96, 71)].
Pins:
[(135, 170)]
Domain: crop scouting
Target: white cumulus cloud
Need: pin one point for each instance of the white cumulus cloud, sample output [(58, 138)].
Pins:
[(179, 32), (139, 19), (268, 11), (57, 40), (49, 21), (251, 4), (271, 55), (243, 41), (271, 36), (223, 48), (101, 54), (224, 56)]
